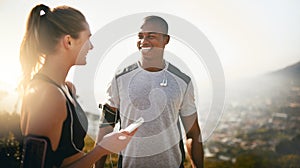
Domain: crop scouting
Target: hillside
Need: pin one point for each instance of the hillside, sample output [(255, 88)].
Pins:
[(289, 71), (262, 117), (285, 77)]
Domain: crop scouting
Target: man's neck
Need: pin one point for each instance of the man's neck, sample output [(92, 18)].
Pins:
[(152, 65)]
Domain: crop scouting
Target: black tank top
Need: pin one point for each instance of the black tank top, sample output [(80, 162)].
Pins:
[(73, 131)]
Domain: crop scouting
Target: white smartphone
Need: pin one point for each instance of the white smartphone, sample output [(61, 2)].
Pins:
[(134, 125)]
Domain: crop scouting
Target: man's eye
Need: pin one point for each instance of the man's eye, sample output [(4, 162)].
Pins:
[(148, 37)]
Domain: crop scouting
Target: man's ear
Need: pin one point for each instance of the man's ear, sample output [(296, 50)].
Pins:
[(166, 39), (67, 41)]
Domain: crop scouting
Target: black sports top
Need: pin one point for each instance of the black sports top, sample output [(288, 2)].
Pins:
[(72, 134)]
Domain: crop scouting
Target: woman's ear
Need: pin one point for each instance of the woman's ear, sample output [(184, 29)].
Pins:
[(67, 41)]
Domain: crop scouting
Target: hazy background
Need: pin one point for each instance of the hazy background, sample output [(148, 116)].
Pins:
[(251, 38), (257, 42)]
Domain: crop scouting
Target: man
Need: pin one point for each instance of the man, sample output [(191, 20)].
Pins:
[(156, 90)]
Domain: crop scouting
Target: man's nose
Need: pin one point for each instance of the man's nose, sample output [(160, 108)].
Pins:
[(144, 40)]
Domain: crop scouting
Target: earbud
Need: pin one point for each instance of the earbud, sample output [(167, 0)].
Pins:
[(164, 83)]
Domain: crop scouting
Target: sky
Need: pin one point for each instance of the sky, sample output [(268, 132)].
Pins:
[(251, 37)]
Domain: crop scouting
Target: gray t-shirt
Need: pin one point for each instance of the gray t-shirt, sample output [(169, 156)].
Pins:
[(160, 98)]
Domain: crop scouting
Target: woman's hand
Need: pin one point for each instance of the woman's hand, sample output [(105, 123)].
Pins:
[(116, 141)]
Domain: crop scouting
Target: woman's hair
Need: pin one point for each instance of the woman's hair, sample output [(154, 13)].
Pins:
[(44, 28)]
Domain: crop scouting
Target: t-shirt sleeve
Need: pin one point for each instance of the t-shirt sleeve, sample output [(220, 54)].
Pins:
[(112, 94), (188, 106)]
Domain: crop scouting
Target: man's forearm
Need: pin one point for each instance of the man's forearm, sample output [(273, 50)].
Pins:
[(102, 132), (101, 162), (195, 151)]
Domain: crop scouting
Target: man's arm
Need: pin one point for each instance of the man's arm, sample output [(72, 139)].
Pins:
[(103, 130), (194, 140)]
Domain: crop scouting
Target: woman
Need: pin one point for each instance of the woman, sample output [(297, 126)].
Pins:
[(52, 122)]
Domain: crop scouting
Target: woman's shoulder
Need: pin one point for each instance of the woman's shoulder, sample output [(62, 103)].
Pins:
[(44, 91), (45, 99)]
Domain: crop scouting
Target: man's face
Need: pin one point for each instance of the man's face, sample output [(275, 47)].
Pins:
[(150, 38)]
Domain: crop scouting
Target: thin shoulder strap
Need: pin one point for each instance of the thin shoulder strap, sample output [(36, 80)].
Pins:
[(47, 79)]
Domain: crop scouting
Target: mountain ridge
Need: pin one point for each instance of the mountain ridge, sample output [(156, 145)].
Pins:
[(293, 68)]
